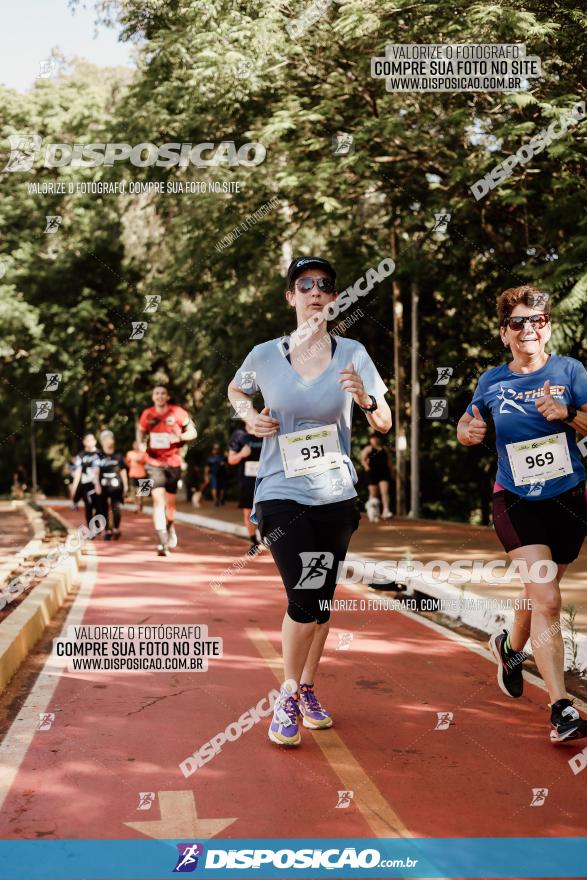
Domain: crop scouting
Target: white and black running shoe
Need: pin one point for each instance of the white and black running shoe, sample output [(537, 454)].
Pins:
[(509, 665), (566, 723), (162, 550)]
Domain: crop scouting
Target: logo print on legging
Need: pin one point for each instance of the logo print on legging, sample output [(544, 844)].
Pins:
[(315, 567)]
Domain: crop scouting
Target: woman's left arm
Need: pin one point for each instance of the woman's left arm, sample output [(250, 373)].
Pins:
[(553, 410), (580, 422), (380, 419)]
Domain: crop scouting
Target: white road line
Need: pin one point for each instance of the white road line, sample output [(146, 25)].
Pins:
[(20, 735)]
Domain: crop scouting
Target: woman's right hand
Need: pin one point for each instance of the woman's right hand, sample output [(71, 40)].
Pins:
[(477, 428), (264, 425)]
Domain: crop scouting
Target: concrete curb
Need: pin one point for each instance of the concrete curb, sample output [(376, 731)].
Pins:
[(26, 624), (34, 517), (34, 545)]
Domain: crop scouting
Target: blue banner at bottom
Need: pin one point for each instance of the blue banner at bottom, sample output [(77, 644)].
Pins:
[(481, 857)]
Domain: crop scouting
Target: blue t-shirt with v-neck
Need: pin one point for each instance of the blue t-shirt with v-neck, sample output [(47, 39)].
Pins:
[(511, 398), (298, 404)]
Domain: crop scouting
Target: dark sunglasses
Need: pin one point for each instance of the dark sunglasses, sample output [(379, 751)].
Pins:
[(305, 285), (537, 322)]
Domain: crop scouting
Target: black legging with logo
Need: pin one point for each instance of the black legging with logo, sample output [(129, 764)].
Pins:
[(307, 544)]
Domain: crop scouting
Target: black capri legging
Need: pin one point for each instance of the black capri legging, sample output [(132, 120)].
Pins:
[(308, 544), (87, 493), (110, 499)]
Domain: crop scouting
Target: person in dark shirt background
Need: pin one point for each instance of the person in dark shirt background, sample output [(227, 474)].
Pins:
[(244, 451), (216, 474), (375, 460), (113, 483), (86, 484)]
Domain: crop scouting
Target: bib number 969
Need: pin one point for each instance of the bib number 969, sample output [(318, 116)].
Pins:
[(308, 452), (539, 460)]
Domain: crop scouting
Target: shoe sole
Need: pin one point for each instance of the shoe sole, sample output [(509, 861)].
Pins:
[(280, 742), (316, 726), (567, 737), (497, 656), (172, 542)]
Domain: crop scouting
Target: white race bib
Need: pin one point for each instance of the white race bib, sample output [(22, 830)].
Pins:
[(310, 451), (251, 468), (543, 458), (159, 440)]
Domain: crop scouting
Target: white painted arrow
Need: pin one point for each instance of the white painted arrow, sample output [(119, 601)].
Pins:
[(179, 818)]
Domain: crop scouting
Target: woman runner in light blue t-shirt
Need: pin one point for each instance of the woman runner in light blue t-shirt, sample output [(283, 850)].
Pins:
[(304, 494)]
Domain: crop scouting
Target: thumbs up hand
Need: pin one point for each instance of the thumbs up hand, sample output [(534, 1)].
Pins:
[(550, 408), (476, 428)]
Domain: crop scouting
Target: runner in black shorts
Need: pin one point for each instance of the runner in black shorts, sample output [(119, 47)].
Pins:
[(305, 499), (244, 450), (375, 460), (164, 427), (86, 485), (216, 474), (114, 483), (538, 403)]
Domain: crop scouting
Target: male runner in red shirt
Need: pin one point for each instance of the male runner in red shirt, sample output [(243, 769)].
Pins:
[(164, 428)]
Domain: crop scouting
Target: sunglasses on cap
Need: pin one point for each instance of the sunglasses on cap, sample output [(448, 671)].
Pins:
[(537, 322), (305, 285)]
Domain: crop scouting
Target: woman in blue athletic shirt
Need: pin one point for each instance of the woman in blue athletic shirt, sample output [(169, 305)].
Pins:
[(538, 402), (305, 491)]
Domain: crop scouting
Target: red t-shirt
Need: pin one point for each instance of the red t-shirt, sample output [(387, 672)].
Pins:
[(163, 430)]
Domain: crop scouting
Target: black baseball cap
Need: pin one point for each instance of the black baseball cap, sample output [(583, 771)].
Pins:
[(300, 264)]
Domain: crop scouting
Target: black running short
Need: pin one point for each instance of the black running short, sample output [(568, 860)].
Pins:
[(308, 544), (164, 477), (378, 476), (246, 492), (560, 523)]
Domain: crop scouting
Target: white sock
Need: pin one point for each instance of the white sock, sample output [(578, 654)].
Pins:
[(159, 519)]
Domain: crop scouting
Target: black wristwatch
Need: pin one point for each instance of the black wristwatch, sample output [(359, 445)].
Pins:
[(372, 408), (572, 413)]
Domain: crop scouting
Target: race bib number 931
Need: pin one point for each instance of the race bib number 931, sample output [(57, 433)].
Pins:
[(310, 452)]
